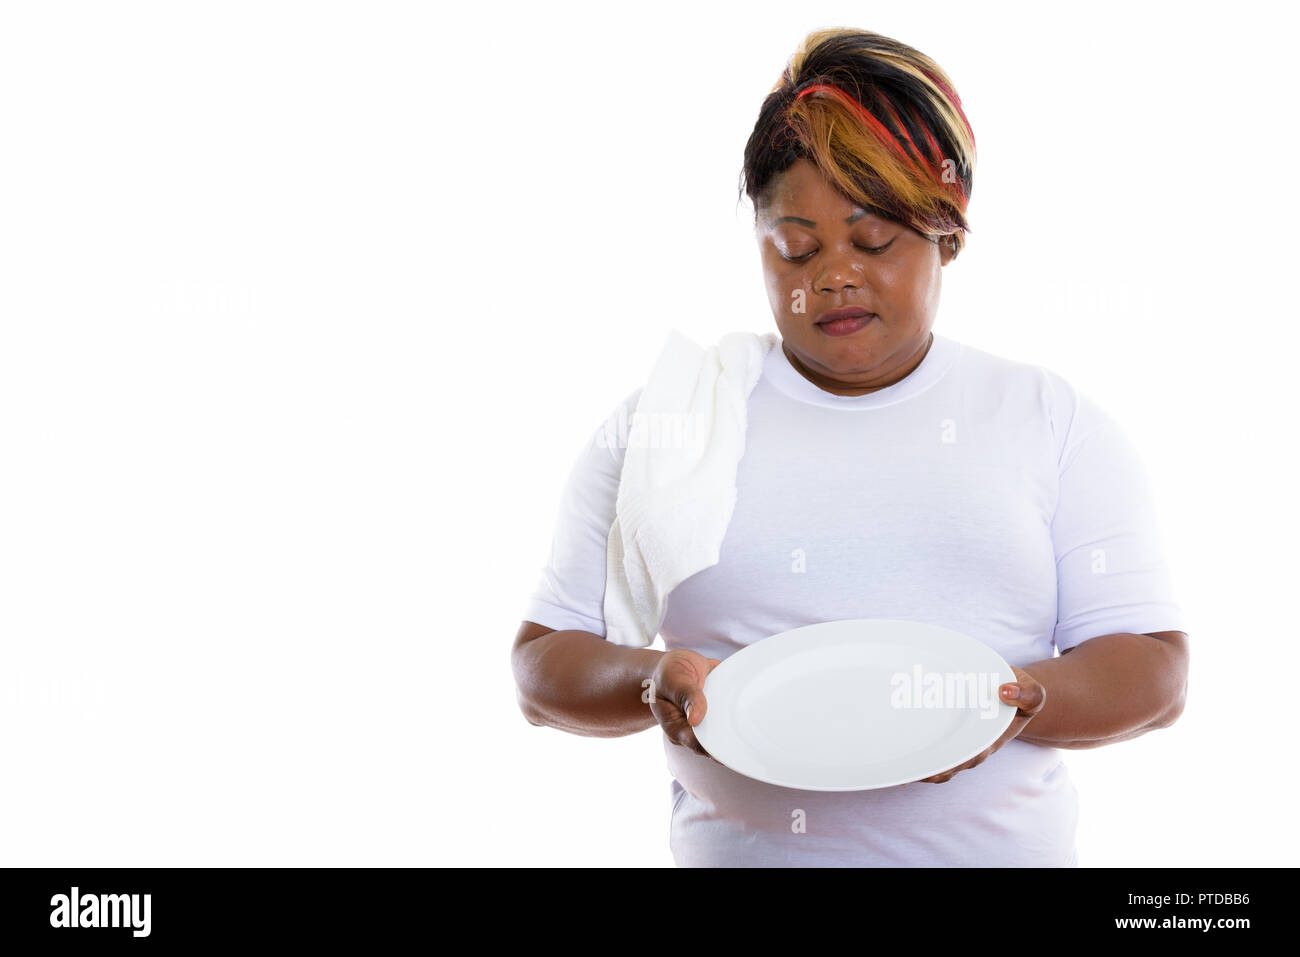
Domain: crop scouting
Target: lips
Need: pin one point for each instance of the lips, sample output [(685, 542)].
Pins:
[(844, 322), (849, 312)]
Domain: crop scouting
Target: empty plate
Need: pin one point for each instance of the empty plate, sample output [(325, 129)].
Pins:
[(855, 705)]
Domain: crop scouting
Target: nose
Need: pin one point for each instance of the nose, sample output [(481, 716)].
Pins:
[(839, 272)]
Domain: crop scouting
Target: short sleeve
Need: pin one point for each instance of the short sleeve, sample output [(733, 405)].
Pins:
[(570, 592), (1111, 571)]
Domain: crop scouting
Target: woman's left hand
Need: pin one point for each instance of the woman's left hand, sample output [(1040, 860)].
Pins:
[(1029, 701)]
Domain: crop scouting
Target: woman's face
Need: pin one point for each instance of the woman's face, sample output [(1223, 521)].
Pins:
[(820, 253)]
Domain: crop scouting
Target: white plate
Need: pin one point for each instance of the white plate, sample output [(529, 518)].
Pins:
[(855, 705)]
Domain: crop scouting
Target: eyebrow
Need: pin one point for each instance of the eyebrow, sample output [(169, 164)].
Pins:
[(799, 220)]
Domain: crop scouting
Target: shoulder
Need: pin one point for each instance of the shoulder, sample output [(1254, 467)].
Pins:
[(684, 374), (1070, 415), (988, 368)]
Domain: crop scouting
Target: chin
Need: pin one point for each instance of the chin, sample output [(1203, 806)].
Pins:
[(845, 355)]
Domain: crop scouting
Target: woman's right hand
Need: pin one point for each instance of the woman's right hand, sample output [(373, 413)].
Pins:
[(677, 695)]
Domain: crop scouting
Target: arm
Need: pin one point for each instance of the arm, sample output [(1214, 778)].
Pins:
[(581, 683), (1110, 689), (573, 679)]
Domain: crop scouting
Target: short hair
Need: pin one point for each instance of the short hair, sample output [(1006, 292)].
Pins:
[(880, 120)]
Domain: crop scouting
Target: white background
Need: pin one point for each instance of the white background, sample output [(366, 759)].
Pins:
[(305, 310)]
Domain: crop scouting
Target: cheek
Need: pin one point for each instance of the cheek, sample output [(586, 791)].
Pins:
[(786, 289), (909, 290), (927, 288)]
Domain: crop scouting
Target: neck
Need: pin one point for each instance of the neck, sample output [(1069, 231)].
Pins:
[(840, 387)]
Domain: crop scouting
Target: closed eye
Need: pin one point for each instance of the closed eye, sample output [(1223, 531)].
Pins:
[(873, 250)]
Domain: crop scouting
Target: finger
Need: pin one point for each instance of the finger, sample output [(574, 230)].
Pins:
[(1026, 696), (979, 759), (942, 775), (692, 742), (689, 740), (682, 735), (694, 705), (680, 732), (1032, 695)]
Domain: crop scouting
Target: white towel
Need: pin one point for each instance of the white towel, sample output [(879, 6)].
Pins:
[(677, 489)]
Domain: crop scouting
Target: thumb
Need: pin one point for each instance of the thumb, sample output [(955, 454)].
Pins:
[(1027, 696), (695, 706)]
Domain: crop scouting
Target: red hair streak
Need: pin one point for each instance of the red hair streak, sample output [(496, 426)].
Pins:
[(881, 131)]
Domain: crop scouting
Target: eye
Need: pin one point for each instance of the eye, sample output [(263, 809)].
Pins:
[(877, 250), (873, 250)]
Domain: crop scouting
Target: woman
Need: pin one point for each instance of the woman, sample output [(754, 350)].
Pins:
[(887, 472)]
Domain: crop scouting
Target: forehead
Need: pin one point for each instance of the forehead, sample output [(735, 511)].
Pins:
[(804, 196)]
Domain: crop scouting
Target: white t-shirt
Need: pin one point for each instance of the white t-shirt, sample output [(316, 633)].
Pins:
[(978, 493)]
